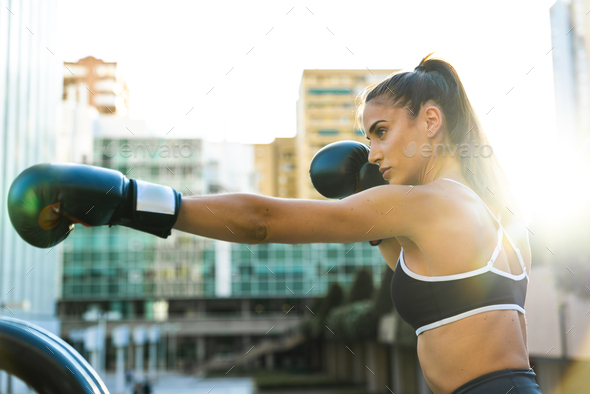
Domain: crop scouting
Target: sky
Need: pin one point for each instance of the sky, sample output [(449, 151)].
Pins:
[(252, 54), (231, 70)]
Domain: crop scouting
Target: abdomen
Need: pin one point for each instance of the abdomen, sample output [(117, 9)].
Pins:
[(456, 353)]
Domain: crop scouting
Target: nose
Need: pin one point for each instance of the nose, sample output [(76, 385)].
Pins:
[(374, 156)]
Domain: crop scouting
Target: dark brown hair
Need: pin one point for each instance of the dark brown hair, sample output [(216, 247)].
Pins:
[(435, 79)]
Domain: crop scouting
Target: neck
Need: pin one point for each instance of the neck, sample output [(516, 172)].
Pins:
[(441, 167)]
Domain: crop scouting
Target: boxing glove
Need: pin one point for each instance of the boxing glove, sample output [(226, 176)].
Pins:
[(45, 200), (342, 168)]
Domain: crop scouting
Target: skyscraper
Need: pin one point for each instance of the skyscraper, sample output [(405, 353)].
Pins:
[(30, 90)]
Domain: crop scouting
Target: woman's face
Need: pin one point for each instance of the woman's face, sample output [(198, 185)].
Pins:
[(395, 140)]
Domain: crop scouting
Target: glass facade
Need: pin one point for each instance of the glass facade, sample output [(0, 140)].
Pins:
[(306, 270), (119, 263), (30, 96)]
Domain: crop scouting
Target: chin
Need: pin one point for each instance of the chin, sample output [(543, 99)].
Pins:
[(395, 180)]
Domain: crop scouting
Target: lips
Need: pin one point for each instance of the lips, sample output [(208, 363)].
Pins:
[(382, 170)]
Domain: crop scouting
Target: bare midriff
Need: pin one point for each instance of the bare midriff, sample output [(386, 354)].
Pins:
[(454, 354)]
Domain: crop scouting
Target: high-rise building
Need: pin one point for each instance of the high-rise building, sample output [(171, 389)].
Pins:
[(276, 168), (131, 274), (30, 88), (326, 113), (91, 88), (108, 92), (125, 264)]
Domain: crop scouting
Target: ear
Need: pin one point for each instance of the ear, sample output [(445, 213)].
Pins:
[(432, 118)]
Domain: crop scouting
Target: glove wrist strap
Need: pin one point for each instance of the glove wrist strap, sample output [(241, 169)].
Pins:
[(150, 208)]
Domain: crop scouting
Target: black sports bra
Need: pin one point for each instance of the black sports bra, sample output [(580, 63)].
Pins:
[(427, 302)]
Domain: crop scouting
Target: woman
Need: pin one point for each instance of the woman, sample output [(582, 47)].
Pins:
[(444, 220), (462, 281)]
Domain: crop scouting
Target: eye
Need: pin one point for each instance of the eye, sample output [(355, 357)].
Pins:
[(379, 134)]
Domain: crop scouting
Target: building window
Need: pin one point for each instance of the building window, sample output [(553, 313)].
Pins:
[(337, 91), (328, 132), (105, 70)]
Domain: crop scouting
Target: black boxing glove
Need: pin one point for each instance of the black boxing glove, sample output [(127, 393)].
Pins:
[(45, 200), (342, 168)]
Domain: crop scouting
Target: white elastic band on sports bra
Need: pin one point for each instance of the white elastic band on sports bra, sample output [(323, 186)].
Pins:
[(516, 250), (472, 312)]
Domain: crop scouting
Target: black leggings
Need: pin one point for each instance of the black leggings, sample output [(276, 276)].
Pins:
[(507, 381)]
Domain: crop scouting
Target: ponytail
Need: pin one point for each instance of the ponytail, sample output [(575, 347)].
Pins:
[(435, 79)]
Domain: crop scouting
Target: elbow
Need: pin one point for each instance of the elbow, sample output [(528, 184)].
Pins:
[(260, 230), (261, 219), (260, 234)]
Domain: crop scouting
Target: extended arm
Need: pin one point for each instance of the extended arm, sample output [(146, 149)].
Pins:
[(234, 217), (45, 201), (381, 212)]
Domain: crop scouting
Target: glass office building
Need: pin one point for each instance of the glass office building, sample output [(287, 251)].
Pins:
[(119, 263), (30, 97), (305, 270)]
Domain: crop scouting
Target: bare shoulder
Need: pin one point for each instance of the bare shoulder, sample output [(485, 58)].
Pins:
[(378, 213), (409, 211), (414, 206)]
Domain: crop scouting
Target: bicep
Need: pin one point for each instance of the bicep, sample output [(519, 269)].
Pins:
[(377, 213)]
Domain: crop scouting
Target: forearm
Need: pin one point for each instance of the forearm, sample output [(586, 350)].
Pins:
[(233, 217)]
